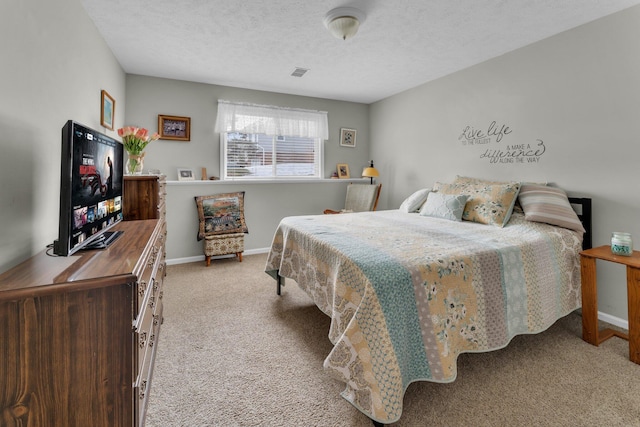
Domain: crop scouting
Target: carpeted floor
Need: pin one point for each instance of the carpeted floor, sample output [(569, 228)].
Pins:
[(233, 353)]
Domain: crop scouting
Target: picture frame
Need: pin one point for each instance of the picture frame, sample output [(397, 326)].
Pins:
[(343, 171), (174, 128), (107, 109), (185, 174), (348, 137)]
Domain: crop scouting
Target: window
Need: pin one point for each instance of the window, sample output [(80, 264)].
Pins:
[(260, 156), (265, 142)]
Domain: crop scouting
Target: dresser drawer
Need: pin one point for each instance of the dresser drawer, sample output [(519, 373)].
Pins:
[(143, 336), (142, 385), (154, 270)]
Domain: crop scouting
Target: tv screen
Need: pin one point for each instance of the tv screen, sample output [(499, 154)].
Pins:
[(91, 181)]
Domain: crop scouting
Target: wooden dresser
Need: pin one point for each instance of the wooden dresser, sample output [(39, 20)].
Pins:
[(78, 334), (144, 197)]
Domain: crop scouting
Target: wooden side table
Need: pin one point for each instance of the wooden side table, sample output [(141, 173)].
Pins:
[(590, 332)]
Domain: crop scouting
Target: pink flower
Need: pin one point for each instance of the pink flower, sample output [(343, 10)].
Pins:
[(142, 133), (136, 139)]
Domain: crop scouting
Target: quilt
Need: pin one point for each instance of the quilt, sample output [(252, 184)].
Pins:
[(407, 294)]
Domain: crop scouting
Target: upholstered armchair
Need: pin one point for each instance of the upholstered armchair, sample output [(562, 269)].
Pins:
[(221, 224), (360, 198)]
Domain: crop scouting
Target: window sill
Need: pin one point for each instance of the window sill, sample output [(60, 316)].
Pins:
[(266, 181)]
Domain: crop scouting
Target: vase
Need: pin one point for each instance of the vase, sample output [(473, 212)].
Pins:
[(135, 163)]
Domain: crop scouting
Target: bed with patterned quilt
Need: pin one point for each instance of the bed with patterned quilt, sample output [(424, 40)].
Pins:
[(408, 290)]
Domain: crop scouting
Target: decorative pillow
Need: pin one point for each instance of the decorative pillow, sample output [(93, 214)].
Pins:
[(414, 201), (549, 205), (221, 214), (489, 202), (470, 180), (447, 206)]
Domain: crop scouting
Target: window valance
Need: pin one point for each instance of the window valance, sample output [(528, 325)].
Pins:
[(271, 120)]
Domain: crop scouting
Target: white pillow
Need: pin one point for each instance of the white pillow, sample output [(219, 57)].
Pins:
[(414, 201), (447, 206)]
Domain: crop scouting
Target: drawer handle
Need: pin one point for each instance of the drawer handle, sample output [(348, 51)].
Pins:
[(142, 287), (156, 320), (143, 339), (161, 294), (152, 302), (143, 389), (152, 340)]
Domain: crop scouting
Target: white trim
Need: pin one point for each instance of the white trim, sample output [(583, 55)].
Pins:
[(615, 321), (199, 258)]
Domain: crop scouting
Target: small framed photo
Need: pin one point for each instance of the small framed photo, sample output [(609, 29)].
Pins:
[(174, 127), (347, 137), (343, 170), (107, 110), (185, 174)]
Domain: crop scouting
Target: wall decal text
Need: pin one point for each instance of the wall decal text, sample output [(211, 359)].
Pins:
[(505, 154), (516, 153), (477, 136)]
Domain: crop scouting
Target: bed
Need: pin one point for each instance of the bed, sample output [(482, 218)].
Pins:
[(408, 293)]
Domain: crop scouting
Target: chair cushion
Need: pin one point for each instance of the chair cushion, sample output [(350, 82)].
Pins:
[(223, 244), (361, 197), (221, 213)]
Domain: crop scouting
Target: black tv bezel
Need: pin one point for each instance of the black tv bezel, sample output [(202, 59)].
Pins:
[(63, 245)]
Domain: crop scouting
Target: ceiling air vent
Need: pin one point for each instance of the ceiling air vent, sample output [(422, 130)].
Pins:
[(299, 72)]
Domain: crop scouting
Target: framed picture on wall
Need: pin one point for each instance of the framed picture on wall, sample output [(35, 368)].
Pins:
[(174, 127), (347, 137), (185, 174), (107, 109), (343, 170)]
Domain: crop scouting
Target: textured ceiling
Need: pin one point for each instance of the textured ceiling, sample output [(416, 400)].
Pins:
[(256, 44)]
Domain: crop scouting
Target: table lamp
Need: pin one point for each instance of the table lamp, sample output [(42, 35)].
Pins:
[(370, 172)]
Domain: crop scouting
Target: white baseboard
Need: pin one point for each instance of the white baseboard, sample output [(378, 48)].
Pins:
[(200, 258), (615, 321)]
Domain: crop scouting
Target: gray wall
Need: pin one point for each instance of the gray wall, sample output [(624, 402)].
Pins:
[(579, 92), (265, 203), (54, 65)]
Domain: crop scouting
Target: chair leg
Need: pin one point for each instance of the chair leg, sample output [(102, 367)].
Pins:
[(239, 255), (207, 260)]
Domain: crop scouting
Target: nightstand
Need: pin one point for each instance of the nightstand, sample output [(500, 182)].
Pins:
[(590, 332)]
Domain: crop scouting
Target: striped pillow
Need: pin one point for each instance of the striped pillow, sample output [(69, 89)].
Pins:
[(549, 205)]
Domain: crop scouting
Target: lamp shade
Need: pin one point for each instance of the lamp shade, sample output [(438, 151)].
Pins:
[(370, 172), (343, 22)]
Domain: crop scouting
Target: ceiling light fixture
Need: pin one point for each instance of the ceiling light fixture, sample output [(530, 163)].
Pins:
[(343, 22)]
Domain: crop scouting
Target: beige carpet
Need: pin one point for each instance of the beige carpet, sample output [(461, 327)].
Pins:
[(233, 353)]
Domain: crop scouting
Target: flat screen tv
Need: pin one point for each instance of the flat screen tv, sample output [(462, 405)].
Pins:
[(91, 181)]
